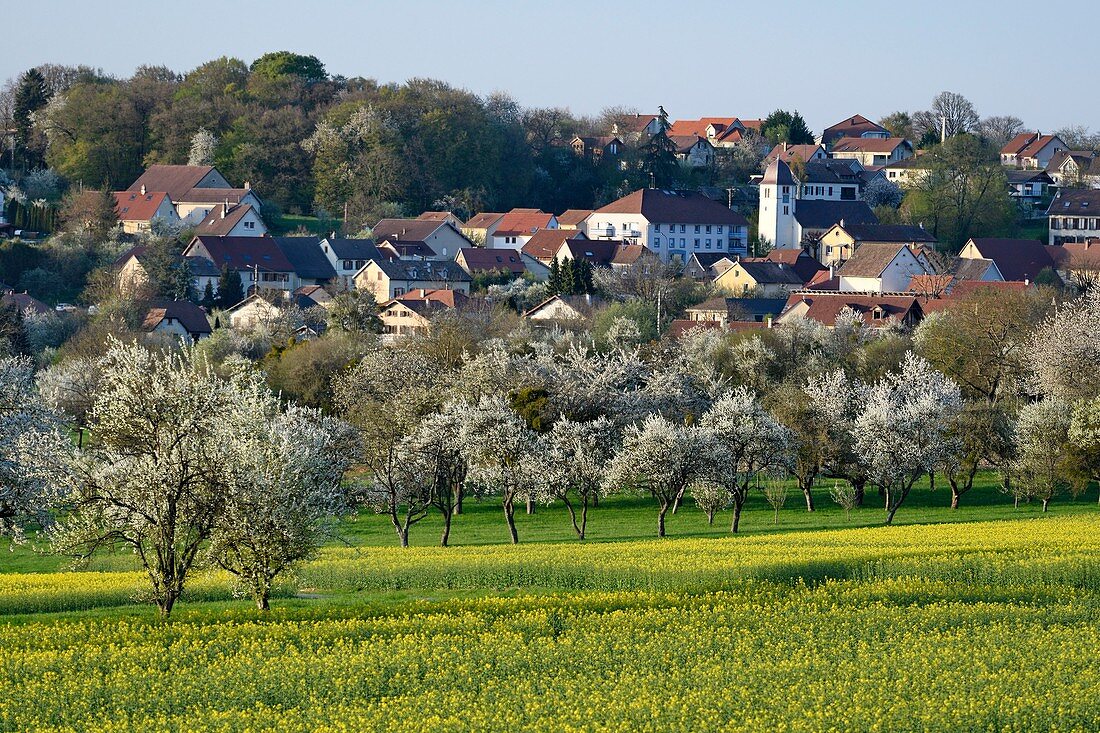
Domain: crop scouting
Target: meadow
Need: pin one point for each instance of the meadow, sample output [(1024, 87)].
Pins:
[(987, 618)]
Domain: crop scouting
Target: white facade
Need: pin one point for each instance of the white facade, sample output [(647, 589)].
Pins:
[(777, 223), (894, 278), (668, 239)]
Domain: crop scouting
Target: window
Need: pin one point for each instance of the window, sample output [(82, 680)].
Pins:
[(708, 244), (346, 264), (786, 198), (398, 291), (719, 228), (683, 228), (786, 210), (830, 190), (250, 225), (656, 227), (697, 243), (697, 228), (657, 242), (378, 276)]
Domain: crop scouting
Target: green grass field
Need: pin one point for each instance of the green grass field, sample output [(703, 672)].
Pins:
[(985, 618)]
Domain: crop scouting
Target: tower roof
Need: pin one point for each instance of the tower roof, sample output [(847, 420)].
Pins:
[(778, 174)]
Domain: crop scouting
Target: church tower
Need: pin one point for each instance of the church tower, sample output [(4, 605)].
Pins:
[(778, 198)]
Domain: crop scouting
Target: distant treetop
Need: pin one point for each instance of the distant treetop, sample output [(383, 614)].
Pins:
[(278, 64)]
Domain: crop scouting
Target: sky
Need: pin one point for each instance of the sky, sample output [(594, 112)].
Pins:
[(828, 60)]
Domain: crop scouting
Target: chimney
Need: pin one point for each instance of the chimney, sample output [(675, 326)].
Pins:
[(423, 293), (225, 209), (830, 272), (247, 186), (842, 223), (143, 189), (769, 321)]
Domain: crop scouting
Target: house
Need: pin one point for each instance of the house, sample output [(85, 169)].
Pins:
[(558, 309), (707, 265), (721, 132), (1074, 215), (856, 126), (725, 311), (517, 227), (545, 243), (880, 267), (410, 314), (842, 239), (1077, 262), (420, 238), (672, 224), (1029, 189), (1075, 169), (634, 127), (260, 262), (347, 257), (388, 279), (251, 312), (791, 153), (573, 219), (1016, 259), (481, 228), (309, 261), (231, 220), (871, 151), (633, 257), (834, 180), (908, 171), (194, 189), (788, 221), (311, 296), (443, 216), (876, 311), (596, 147), (178, 319), (694, 151), (24, 303), (132, 276), (480, 260), (1031, 150), (799, 261), (138, 210), (760, 277)]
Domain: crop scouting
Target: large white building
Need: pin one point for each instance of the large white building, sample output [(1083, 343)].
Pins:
[(672, 224), (789, 219)]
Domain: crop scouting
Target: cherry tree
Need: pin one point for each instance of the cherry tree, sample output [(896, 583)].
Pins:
[(837, 400), (435, 449), (746, 440), (661, 458), (1065, 349), (1042, 467), (153, 479), (497, 444), (283, 471), (902, 429), (33, 450), (570, 463)]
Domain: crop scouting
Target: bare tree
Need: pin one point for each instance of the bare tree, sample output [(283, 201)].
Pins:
[(999, 129), (955, 112)]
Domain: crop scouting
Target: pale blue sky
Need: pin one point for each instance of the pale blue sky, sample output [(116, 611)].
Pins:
[(829, 60)]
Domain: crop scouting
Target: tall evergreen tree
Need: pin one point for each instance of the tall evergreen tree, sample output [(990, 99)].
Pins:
[(230, 290), (208, 300), (30, 96), (553, 284), (568, 278), (659, 154)]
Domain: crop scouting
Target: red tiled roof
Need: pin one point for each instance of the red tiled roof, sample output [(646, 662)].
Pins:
[(854, 126), (790, 152), (519, 222), (175, 180), (447, 298), (1018, 143), (484, 220), (135, 206), (805, 266), (825, 307), (1036, 145), (220, 220), (545, 243), (191, 317), (573, 217)]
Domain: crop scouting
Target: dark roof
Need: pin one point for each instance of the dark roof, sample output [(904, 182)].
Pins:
[(405, 230), (352, 249), (202, 267), (175, 180), (24, 302), (596, 252), (244, 253), (870, 259), (1017, 259), (406, 250), (833, 171), (768, 272), (426, 271), (707, 259), (778, 173), (1027, 176), (686, 207), (888, 233), (798, 260), (1075, 202), (738, 307), (307, 296), (854, 126), (970, 268), (481, 259), (825, 307), (813, 214), (306, 257), (191, 317)]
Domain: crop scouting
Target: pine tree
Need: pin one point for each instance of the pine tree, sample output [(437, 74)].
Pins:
[(568, 277), (659, 154), (583, 271), (230, 290), (208, 300), (30, 96), (553, 285)]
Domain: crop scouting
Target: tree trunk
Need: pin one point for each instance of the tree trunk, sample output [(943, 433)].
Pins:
[(932, 480), (446, 529), (262, 602), (584, 515), (661, 519), (1046, 503), (510, 517), (861, 490), (807, 491), (573, 517), (403, 534), (458, 498), (955, 497), (710, 517), (738, 504)]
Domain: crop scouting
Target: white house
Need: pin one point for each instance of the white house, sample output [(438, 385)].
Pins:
[(421, 238), (194, 189), (232, 220), (880, 267), (787, 220), (1031, 150), (872, 151), (693, 150), (517, 227), (137, 211), (1074, 216), (672, 224)]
